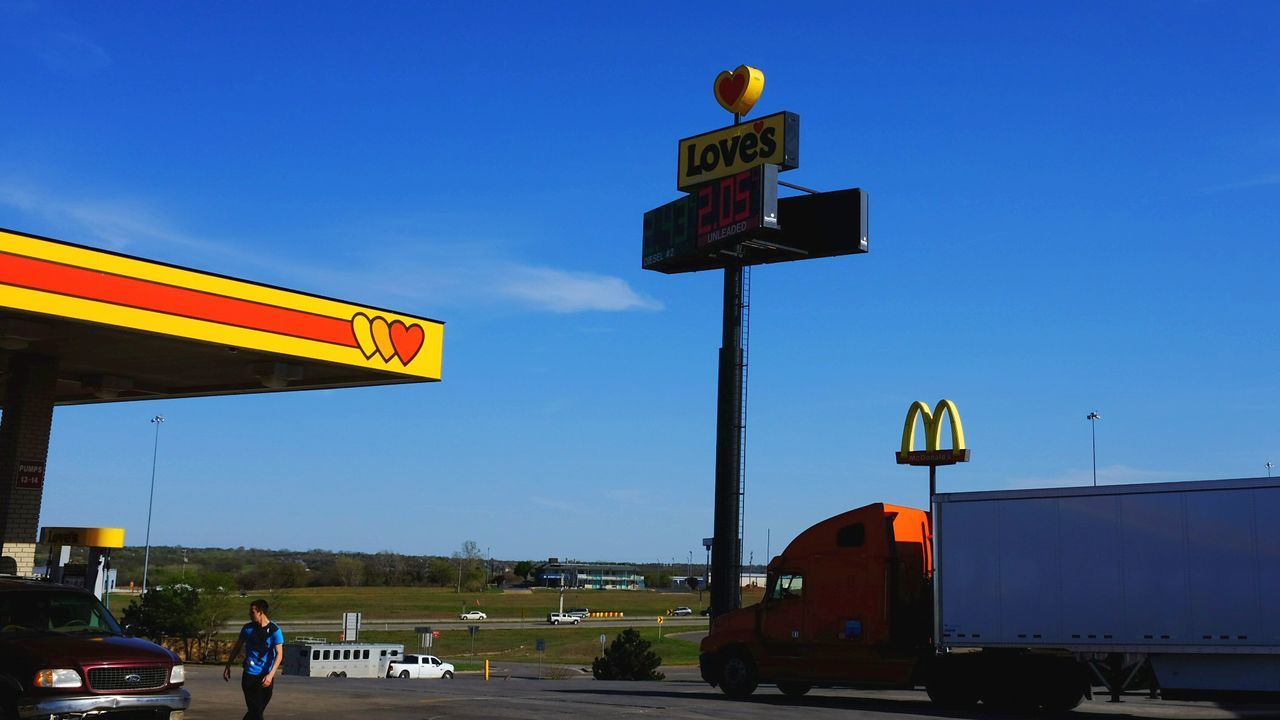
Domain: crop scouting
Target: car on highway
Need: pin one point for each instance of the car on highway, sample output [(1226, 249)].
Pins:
[(62, 654), (681, 611), (473, 615), (556, 618), (579, 612), (420, 666)]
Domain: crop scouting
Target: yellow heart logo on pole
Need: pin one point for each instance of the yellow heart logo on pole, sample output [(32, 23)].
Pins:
[(739, 90)]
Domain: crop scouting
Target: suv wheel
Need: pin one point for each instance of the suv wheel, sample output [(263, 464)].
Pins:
[(794, 689)]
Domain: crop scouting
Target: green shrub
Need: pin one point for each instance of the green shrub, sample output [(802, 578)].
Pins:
[(179, 611), (627, 658)]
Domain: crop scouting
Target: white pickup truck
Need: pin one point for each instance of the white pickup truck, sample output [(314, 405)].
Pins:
[(420, 666), (556, 618)]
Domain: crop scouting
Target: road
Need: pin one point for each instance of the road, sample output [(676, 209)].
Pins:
[(516, 693), (302, 627)]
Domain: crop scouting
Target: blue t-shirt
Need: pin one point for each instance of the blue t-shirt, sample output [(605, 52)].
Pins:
[(260, 645)]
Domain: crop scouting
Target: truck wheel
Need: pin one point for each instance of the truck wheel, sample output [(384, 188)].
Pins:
[(794, 689), (952, 681), (1064, 692), (949, 691), (738, 676), (404, 674), (342, 674), (448, 675), (333, 674), (1012, 696)]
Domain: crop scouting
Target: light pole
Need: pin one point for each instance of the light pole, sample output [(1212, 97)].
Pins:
[(155, 451), (1093, 419), (1269, 466)]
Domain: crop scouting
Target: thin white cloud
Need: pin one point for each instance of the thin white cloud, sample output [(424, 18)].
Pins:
[(633, 497), (560, 506), (72, 54), (397, 270), (455, 274), (1263, 181), (563, 291), (116, 224)]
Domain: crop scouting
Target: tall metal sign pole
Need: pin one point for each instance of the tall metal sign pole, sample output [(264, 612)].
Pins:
[(736, 92), (732, 218), (726, 551)]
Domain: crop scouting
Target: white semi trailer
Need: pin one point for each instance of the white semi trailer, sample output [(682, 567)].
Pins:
[(1022, 599), (1183, 576)]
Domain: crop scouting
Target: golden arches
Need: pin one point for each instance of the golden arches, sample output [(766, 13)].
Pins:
[(932, 426)]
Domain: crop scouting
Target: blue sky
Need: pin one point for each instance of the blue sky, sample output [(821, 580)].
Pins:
[(1074, 207)]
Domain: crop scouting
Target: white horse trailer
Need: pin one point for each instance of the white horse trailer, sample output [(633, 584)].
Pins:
[(313, 657)]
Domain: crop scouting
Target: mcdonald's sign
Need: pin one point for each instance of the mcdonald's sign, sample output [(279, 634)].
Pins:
[(933, 454)]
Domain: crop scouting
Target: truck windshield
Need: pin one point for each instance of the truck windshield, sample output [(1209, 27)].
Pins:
[(787, 585), (55, 611)]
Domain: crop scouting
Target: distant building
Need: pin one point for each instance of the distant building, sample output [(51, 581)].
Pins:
[(587, 576), (748, 580)]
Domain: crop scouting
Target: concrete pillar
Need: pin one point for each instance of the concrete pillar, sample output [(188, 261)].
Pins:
[(24, 449)]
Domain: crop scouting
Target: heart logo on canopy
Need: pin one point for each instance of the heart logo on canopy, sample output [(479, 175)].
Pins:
[(394, 339), (407, 340), (739, 90), (360, 327)]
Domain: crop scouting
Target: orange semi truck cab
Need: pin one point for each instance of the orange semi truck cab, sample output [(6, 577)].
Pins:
[(849, 602)]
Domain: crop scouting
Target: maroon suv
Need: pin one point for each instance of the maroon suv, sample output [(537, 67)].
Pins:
[(63, 655)]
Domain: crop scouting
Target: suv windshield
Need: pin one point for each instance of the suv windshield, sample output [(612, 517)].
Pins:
[(54, 611)]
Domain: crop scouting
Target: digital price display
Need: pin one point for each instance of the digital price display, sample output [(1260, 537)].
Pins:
[(669, 234), (689, 233)]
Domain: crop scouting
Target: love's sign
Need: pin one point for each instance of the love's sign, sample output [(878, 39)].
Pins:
[(771, 140)]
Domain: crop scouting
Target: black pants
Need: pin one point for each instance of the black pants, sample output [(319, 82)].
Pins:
[(256, 697)]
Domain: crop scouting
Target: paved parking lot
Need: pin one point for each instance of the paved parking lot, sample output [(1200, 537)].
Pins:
[(515, 693)]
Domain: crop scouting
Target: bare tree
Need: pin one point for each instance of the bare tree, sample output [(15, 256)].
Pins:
[(349, 571), (470, 562)]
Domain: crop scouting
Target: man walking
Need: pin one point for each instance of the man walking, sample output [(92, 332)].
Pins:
[(263, 644)]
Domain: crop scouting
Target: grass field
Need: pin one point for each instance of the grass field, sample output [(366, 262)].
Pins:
[(564, 645), (406, 603)]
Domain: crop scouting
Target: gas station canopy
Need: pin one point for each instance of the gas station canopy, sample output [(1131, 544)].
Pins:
[(125, 328)]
